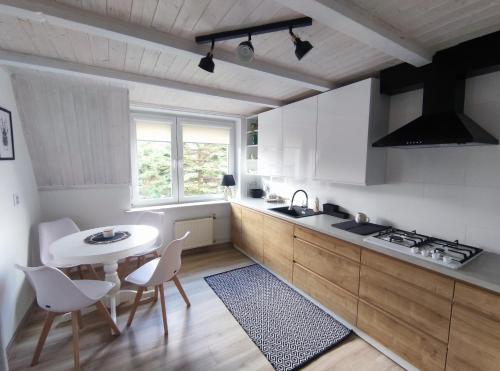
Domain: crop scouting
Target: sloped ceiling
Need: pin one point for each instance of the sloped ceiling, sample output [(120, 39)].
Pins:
[(336, 57)]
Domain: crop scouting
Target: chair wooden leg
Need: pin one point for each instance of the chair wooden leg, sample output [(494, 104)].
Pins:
[(79, 318), (181, 290), (120, 271), (114, 329), (163, 308), (43, 336), (76, 341), (94, 273), (80, 272), (135, 305), (155, 297)]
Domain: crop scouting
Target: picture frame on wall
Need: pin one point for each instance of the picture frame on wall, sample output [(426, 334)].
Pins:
[(6, 135)]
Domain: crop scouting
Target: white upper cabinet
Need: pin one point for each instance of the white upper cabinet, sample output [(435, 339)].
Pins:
[(350, 119), (299, 138), (270, 160), (327, 137)]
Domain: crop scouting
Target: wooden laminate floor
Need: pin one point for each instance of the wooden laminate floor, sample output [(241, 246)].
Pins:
[(202, 337)]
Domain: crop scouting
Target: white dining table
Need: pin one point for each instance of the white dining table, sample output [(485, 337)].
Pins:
[(72, 249)]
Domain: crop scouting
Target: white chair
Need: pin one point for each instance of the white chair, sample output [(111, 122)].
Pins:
[(49, 232), (155, 273), (58, 294), (153, 219)]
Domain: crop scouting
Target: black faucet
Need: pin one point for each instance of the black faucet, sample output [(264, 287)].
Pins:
[(297, 191)]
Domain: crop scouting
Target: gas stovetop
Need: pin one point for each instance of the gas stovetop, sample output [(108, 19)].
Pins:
[(449, 254)]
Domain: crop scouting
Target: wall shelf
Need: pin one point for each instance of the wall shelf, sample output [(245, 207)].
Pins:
[(252, 150)]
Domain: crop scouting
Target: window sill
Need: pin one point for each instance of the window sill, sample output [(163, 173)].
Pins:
[(175, 206)]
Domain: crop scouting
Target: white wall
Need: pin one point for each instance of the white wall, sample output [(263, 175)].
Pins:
[(452, 193), (101, 206), (17, 225), (94, 206), (75, 129)]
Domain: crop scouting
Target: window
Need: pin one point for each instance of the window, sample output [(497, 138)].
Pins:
[(179, 159), (205, 152)]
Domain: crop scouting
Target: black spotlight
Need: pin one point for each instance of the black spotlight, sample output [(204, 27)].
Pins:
[(301, 47), (207, 63)]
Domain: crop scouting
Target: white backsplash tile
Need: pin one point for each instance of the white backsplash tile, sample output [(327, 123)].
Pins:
[(405, 166), (445, 166), (452, 193), (482, 206), (486, 238), (483, 167)]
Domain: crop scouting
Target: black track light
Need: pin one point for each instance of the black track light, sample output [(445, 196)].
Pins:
[(301, 47), (207, 63), (245, 50)]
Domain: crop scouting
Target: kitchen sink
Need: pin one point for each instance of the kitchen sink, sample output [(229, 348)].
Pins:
[(296, 212)]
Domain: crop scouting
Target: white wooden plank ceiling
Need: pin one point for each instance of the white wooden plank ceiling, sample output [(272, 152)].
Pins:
[(156, 97), (336, 57)]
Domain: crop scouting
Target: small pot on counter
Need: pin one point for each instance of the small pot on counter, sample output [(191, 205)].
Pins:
[(256, 193)]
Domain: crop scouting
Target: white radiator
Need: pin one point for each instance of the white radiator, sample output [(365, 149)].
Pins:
[(202, 231)]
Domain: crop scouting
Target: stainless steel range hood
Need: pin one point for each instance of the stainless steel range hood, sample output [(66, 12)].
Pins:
[(443, 122)]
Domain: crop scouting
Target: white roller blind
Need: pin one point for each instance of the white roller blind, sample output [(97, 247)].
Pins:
[(77, 130), (205, 134), (152, 130)]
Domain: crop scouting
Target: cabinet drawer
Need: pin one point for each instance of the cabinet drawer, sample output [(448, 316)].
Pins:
[(411, 304), (474, 341), (482, 301), (278, 246), (427, 280), (331, 296), (332, 244), (341, 271), (421, 350), (251, 231)]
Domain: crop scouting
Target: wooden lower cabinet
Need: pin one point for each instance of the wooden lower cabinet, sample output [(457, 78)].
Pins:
[(418, 348), (340, 271), (424, 317), (329, 243), (252, 224), (335, 298), (482, 301), (475, 330), (419, 277), (474, 341), (236, 224), (278, 246), (411, 304), (406, 308)]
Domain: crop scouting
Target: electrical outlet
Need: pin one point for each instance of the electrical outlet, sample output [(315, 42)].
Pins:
[(15, 199)]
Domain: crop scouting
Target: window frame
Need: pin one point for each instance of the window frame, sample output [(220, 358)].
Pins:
[(136, 200), (202, 122), (177, 155)]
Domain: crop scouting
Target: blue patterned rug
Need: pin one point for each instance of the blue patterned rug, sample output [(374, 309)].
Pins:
[(288, 329)]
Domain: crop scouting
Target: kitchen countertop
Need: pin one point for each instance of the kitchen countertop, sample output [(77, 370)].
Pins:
[(483, 271)]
